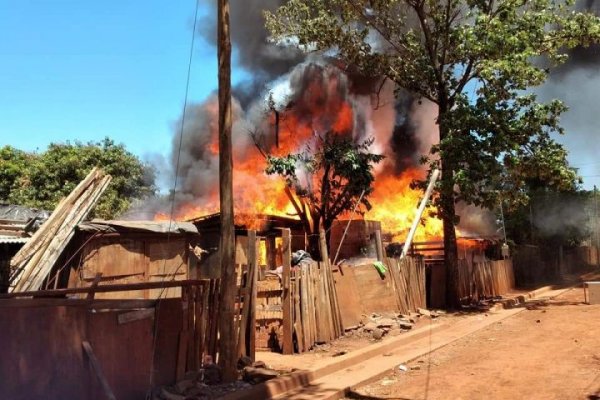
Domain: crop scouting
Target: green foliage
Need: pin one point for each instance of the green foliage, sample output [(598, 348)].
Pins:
[(330, 178), (41, 180), (475, 59), (12, 164)]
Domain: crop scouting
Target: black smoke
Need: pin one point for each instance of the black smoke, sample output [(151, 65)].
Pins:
[(264, 60)]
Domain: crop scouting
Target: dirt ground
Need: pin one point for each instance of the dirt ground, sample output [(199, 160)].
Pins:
[(549, 351), (352, 340)]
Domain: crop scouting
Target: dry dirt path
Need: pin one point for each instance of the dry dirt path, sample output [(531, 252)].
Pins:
[(549, 351)]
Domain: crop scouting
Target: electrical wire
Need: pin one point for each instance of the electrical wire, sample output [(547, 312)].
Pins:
[(172, 200)]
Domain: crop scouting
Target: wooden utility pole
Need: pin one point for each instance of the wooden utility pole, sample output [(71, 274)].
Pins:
[(227, 337)]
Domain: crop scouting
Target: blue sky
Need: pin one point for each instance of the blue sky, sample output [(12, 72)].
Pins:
[(83, 70)]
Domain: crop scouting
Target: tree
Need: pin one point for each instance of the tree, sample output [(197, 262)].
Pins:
[(41, 180), (334, 177), (12, 164), (475, 59)]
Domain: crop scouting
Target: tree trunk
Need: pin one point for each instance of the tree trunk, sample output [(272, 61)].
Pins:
[(448, 212), (227, 337), (450, 249)]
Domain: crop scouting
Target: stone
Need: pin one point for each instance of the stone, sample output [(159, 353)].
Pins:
[(377, 333), (405, 325), (370, 326), (385, 323), (258, 375), (244, 361), (259, 364), (184, 385), (424, 312)]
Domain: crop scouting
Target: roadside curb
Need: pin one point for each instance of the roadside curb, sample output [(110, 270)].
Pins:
[(298, 379), (520, 299), (371, 361)]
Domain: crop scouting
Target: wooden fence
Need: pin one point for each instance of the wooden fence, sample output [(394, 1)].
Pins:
[(484, 279), (408, 276), (299, 309), (67, 348)]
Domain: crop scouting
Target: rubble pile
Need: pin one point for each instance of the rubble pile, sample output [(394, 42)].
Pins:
[(206, 384), (375, 326)]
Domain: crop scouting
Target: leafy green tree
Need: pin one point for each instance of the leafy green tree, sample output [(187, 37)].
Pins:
[(475, 59), (334, 177), (12, 164), (41, 180)]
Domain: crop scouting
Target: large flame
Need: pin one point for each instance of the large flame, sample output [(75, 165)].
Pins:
[(323, 104)]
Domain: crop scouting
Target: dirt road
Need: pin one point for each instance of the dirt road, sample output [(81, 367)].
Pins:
[(550, 351)]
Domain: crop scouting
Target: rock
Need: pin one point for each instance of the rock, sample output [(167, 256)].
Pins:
[(405, 325), (258, 375), (352, 328), (244, 361), (385, 323), (370, 326), (377, 333), (184, 385), (403, 367), (259, 364), (424, 312)]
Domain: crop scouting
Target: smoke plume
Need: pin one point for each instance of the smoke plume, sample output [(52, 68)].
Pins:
[(577, 83), (265, 60)]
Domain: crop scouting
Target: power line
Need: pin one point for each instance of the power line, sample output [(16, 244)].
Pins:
[(172, 200)]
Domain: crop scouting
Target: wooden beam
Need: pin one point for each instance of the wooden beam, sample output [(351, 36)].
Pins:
[(253, 267), (227, 337), (379, 246), (98, 370), (288, 345), (94, 285), (105, 288)]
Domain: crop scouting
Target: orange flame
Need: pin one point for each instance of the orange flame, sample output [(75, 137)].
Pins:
[(324, 108)]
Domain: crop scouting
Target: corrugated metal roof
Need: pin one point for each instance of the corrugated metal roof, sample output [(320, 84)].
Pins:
[(13, 239)]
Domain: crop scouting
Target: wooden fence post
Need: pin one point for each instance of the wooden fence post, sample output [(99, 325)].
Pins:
[(288, 345)]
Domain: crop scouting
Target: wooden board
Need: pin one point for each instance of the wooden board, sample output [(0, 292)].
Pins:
[(113, 258), (347, 290)]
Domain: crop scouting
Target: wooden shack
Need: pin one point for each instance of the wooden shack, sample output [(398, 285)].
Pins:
[(125, 252)]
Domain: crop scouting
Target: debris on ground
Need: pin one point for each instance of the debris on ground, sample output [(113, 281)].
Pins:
[(205, 384)]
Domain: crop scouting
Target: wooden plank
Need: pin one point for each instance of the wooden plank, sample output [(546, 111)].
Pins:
[(379, 246), (253, 243), (103, 288), (304, 309), (98, 371), (36, 270), (298, 328), (183, 337), (136, 315), (288, 346), (99, 305), (97, 278), (327, 299)]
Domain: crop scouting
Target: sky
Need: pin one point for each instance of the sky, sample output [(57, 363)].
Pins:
[(82, 70)]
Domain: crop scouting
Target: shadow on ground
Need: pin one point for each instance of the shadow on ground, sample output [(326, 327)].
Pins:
[(357, 396)]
